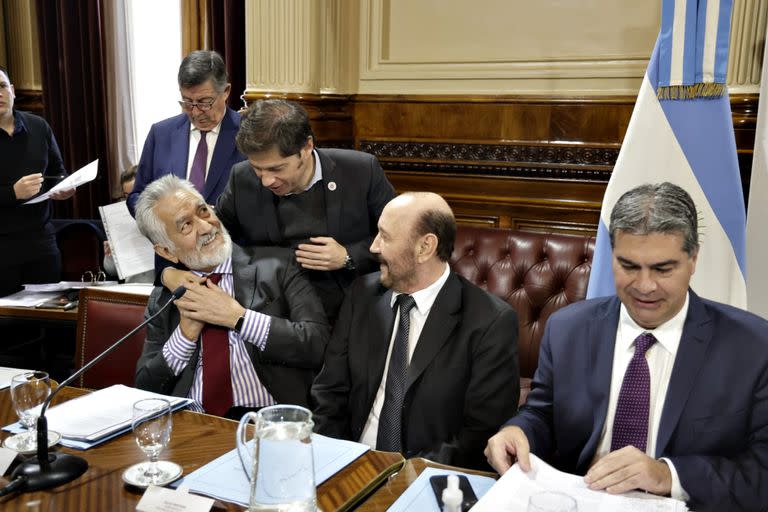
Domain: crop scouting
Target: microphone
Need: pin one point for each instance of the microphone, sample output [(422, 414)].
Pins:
[(53, 469)]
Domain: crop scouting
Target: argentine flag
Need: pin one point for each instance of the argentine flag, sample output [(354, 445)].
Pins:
[(681, 131)]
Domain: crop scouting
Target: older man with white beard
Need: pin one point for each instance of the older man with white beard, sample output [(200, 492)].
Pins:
[(251, 334)]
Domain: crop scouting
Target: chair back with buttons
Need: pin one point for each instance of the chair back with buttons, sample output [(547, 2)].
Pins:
[(536, 273), (103, 317)]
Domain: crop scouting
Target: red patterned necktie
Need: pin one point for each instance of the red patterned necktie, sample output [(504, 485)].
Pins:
[(197, 172), (630, 424), (217, 378)]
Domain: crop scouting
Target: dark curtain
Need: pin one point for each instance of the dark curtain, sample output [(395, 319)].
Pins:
[(71, 42), (226, 35)]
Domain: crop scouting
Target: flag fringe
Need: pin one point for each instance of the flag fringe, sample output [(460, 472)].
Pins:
[(689, 92)]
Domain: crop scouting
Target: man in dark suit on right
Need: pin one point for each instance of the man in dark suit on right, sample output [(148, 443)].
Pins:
[(656, 388), (421, 361)]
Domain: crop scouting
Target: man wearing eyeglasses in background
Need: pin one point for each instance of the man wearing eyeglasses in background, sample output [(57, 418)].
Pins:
[(198, 144)]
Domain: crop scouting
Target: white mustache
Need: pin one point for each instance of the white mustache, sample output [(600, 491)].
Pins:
[(207, 238)]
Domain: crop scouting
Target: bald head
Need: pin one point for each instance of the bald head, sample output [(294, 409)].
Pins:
[(426, 213)]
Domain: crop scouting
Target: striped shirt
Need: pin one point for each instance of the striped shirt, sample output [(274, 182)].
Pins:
[(247, 389)]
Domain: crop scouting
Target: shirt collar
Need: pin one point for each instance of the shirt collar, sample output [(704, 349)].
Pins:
[(425, 297), (225, 267), (18, 123), (667, 334), (318, 171), (215, 129)]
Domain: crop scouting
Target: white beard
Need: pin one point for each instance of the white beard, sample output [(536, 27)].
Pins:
[(201, 259)]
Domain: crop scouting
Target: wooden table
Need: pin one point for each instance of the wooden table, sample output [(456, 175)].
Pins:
[(399, 482), (39, 313), (196, 440)]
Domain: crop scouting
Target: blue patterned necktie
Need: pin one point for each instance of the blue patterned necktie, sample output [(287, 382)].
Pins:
[(389, 437), (630, 424)]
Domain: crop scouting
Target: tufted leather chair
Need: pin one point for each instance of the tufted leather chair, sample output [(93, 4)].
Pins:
[(104, 316), (536, 273)]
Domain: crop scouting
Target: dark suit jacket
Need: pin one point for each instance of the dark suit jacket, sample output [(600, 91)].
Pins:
[(462, 381), (714, 425), (166, 151), (248, 211), (265, 280)]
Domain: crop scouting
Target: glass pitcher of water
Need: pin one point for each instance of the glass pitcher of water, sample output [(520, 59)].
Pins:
[(279, 461)]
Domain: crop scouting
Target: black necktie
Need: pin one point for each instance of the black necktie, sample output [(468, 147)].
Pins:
[(391, 418)]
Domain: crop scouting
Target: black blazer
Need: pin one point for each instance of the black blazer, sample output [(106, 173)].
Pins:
[(356, 191), (265, 280), (462, 381)]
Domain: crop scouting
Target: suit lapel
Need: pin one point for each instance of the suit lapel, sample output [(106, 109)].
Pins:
[(333, 195), (225, 146), (268, 202), (180, 149), (380, 323), (691, 354), (244, 275), (601, 344), (440, 323)]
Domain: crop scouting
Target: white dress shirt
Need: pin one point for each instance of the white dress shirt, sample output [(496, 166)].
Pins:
[(194, 140), (424, 300), (661, 358)]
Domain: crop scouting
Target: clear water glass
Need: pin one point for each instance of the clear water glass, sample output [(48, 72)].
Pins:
[(152, 425), (551, 501), (28, 392)]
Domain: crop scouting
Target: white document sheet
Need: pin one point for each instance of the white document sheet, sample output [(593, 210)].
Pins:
[(28, 298), (98, 414), (74, 180), (6, 374), (132, 252), (514, 488)]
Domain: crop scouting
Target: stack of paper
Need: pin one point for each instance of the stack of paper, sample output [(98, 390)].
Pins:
[(6, 374), (514, 488), (131, 251), (224, 478), (91, 419)]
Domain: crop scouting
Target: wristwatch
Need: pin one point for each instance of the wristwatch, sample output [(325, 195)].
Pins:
[(349, 263), (239, 323)]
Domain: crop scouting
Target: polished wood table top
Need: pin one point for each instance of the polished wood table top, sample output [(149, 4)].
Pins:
[(382, 499), (196, 440), (39, 313)]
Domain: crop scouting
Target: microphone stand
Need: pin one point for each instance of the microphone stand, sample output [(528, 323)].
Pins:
[(53, 469)]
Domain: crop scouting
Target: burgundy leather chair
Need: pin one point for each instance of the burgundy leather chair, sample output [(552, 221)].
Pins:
[(536, 273), (102, 318)]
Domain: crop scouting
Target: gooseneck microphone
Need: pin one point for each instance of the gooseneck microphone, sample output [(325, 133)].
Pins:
[(53, 469)]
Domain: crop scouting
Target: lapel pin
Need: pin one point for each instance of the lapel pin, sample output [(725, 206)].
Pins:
[(331, 186)]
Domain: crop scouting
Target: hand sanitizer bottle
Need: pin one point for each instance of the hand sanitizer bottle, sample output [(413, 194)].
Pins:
[(452, 495)]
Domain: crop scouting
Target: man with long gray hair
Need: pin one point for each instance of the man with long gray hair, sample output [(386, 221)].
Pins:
[(655, 388), (199, 143), (250, 333)]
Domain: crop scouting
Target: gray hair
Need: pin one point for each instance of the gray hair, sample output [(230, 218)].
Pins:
[(657, 208), (274, 123), (200, 66), (150, 225)]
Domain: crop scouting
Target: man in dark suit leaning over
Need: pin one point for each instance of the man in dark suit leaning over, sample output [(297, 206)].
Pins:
[(251, 334), (324, 203), (421, 361), (199, 143), (655, 388)]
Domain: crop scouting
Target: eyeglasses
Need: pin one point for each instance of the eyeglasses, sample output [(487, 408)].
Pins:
[(93, 277), (202, 106)]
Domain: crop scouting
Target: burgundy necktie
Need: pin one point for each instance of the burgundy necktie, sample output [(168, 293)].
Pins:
[(197, 172), (630, 425), (217, 377)]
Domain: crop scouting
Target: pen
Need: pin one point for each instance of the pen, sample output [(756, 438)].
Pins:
[(70, 305)]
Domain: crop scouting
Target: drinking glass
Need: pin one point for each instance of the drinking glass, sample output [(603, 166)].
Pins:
[(28, 392), (152, 425), (551, 501)]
